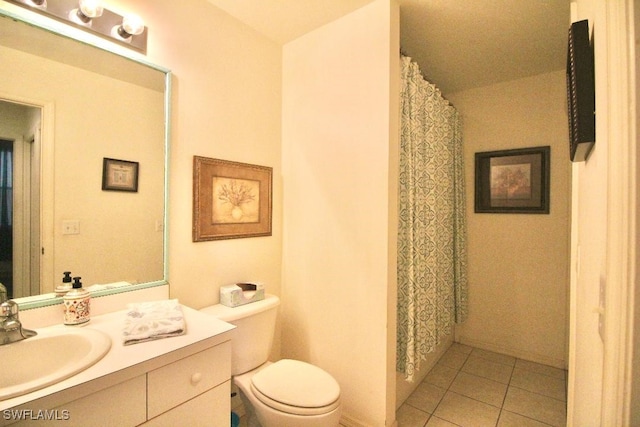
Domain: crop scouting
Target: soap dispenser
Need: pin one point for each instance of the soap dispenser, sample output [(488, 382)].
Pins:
[(77, 301), (65, 286)]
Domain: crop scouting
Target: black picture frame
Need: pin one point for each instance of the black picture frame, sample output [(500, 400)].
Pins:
[(513, 181), (580, 92), (120, 175)]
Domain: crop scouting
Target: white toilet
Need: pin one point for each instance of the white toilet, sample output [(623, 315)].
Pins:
[(287, 393)]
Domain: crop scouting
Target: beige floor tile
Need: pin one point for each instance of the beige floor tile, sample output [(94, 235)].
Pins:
[(463, 411), (426, 397), (441, 376), (538, 383), (531, 405), (509, 419), (494, 357), (437, 422), (453, 359), (408, 416), (482, 367), (478, 388), (541, 369), (489, 388)]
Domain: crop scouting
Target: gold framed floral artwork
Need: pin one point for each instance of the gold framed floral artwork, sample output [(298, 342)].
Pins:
[(230, 199)]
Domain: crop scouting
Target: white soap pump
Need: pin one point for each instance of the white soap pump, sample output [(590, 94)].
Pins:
[(77, 304)]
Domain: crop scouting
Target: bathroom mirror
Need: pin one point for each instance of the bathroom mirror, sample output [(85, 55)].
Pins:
[(66, 105)]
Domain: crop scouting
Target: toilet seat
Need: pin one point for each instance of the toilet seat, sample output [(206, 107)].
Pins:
[(296, 387)]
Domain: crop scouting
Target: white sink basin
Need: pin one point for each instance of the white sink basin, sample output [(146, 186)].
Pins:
[(50, 357)]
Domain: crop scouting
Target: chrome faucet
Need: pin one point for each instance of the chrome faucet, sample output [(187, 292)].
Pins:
[(11, 329)]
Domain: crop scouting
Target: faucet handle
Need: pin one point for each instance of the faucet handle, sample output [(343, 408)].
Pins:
[(11, 329), (9, 309)]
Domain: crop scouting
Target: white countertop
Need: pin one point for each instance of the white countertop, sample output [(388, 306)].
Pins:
[(125, 362)]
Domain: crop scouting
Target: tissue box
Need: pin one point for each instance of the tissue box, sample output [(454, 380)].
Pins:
[(241, 293)]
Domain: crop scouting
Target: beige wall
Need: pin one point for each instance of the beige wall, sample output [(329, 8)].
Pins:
[(339, 245), (518, 263)]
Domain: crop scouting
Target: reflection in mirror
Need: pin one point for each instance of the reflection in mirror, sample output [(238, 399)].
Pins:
[(74, 105), (20, 199)]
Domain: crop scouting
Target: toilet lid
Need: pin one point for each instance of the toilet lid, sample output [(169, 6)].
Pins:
[(296, 384)]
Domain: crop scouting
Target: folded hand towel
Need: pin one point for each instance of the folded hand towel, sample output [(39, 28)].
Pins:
[(153, 320)]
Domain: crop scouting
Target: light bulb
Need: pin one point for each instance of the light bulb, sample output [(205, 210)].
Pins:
[(132, 25), (91, 8)]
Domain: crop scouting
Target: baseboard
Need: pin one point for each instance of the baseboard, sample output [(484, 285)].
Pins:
[(525, 355), (347, 421)]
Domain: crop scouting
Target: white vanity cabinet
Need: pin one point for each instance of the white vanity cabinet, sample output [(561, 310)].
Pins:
[(177, 381), (193, 391)]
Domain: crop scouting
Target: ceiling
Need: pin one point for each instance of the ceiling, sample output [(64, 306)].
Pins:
[(459, 44)]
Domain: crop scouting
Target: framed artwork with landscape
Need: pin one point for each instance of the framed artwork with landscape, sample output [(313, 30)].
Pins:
[(230, 199), (513, 181)]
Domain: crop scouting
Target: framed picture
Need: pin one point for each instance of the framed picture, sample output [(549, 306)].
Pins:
[(230, 200), (581, 92), (119, 175), (513, 181)]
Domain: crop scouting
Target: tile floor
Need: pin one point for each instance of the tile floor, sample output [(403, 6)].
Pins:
[(470, 387)]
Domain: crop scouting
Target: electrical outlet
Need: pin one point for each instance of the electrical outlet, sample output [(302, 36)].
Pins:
[(71, 226)]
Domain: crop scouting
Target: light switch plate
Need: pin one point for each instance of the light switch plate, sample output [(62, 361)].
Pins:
[(71, 226)]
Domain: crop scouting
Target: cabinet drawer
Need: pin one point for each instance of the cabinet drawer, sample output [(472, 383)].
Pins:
[(169, 386), (211, 408)]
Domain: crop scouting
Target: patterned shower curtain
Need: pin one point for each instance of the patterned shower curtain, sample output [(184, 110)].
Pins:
[(432, 267)]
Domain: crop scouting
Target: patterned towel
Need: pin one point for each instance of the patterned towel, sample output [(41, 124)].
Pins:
[(149, 321)]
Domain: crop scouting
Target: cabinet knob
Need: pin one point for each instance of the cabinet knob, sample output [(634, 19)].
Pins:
[(195, 378)]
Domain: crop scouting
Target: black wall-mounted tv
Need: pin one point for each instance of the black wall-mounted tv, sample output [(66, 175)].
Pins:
[(581, 92)]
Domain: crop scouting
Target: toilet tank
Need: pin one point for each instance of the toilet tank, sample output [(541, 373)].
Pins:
[(253, 337)]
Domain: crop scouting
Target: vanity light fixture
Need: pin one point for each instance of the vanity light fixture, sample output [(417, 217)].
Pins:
[(92, 16)]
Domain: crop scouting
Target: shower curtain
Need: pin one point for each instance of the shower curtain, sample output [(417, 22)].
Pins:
[(432, 267)]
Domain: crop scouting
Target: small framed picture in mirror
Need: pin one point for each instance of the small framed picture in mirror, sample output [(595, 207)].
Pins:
[(119, 175)]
